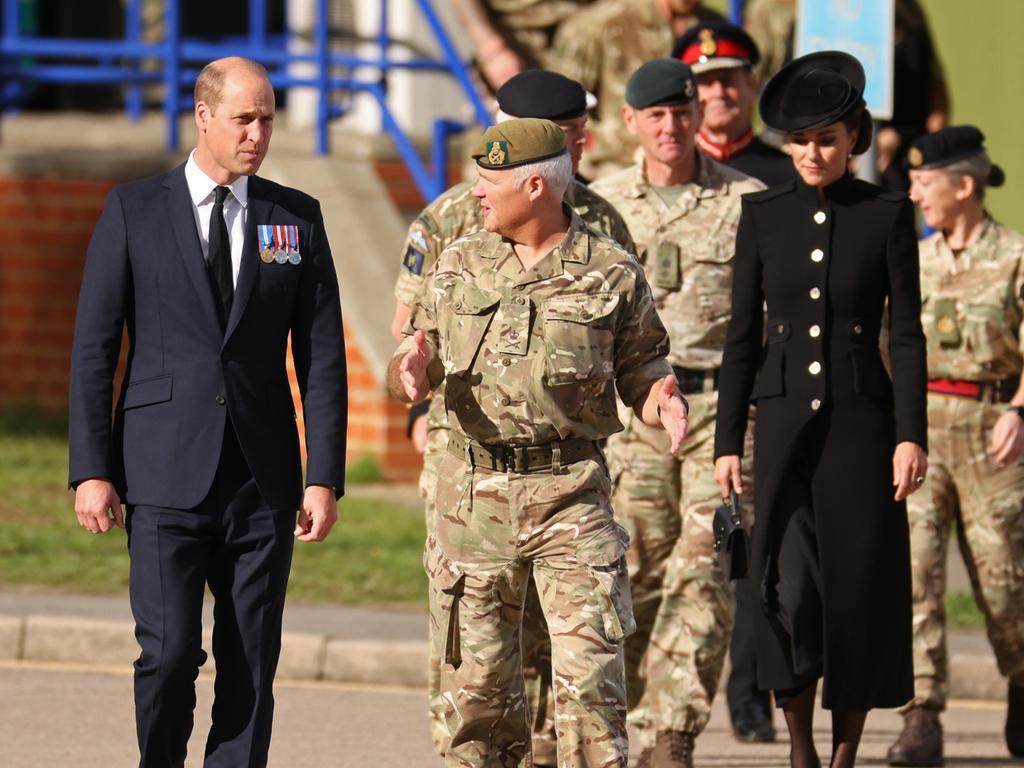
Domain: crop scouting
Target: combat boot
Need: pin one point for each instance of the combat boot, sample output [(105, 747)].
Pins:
[(920, 744), (1015, 720), (673, 749)]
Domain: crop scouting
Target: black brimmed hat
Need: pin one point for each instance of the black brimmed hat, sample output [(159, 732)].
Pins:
[(661, 82), (813, 91), (518, 142), (950, 145), (716, 45), (539, 93)]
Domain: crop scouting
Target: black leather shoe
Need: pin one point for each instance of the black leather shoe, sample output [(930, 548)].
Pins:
[(1015, 720), (753, 726)]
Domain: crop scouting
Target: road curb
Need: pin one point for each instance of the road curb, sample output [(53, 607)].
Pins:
[(311, 656), (304, 656)]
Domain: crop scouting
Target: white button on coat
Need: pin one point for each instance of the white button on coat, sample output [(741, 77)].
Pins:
[(815, 404), (817, 255), (814, 368), (819, 217), (815, 331), (815, 293)]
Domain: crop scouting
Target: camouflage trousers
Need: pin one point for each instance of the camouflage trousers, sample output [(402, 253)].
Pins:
[(964, 488), (682, 599), (495, 529), (536, 647)]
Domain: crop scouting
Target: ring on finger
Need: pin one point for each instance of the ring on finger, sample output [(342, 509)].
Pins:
[(919, 479)]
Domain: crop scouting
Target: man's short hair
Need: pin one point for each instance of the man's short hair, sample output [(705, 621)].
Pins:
[(210, 83), (556, 172)]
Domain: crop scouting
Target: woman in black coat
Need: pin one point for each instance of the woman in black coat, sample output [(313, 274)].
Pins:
[(838, 444)]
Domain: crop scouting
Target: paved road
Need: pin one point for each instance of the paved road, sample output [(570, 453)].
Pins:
[(74, 718)]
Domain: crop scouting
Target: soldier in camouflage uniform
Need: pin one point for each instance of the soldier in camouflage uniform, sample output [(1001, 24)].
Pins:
[(456, 213), (972, 291), (600, 47), (683, 209), (528, 323)]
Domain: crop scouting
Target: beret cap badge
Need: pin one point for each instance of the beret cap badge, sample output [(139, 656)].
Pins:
[(915, 158), (497, 153)]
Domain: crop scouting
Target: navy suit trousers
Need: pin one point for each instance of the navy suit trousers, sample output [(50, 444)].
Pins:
[(242, 548)]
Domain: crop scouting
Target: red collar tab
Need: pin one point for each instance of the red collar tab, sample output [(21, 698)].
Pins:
[(723, 152)]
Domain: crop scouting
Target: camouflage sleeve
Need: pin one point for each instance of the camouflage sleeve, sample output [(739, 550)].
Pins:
[(576, 53), (422, 248), (641, 341), (619, 232)]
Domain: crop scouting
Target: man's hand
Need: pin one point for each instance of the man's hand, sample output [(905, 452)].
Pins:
[(663, 407), (1007, 439), (97, 505), (318, 514), (413, 369)]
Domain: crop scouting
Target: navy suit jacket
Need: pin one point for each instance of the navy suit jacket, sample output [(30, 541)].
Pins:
[(185, 373)]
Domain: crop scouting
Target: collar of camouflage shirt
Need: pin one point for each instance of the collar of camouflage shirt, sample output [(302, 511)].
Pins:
[(709, 181)]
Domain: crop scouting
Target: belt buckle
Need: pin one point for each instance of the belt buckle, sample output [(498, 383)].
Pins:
[(508, 458)]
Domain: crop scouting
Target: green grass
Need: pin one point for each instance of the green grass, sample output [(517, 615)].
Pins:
[(372, 556)]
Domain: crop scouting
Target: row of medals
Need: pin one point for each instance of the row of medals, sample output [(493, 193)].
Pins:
[(280, 256)]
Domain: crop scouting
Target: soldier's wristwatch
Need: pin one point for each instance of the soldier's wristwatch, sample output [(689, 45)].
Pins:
[(1018, 409)]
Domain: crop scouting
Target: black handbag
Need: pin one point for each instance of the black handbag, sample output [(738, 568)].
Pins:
[(730, 535)]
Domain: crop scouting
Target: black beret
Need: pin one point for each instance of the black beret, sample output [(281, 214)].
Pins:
[(518, 142), (539, 93), (947, 146), (716, 45), (661, 82), (813, 91)]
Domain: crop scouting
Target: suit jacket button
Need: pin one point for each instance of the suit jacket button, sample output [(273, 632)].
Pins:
[(221, 400)]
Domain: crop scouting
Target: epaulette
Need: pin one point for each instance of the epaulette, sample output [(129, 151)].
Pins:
[(769, 194)]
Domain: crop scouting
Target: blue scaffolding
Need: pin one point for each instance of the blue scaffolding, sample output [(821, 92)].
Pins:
[(26, 57)]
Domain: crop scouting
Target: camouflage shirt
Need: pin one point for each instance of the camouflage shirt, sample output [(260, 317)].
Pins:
[(601, 46), (687, 250), (456, 213), (973, 305), (531, 356)]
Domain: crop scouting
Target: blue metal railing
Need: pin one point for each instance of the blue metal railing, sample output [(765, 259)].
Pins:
[(121, 62)]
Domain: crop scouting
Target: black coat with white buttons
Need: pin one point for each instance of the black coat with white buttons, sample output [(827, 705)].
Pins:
[(811, 282)]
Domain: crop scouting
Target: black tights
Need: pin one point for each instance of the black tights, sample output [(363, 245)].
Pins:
[(847, 728)]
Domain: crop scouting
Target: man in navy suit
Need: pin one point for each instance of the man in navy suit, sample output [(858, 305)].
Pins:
[(210, 268)]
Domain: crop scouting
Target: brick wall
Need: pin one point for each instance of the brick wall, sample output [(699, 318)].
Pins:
[(45, 226)]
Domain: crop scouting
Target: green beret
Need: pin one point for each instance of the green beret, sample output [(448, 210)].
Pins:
[(518, 142), (661, 82)]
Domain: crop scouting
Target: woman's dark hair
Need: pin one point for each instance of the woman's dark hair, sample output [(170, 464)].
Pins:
[(859, 119)]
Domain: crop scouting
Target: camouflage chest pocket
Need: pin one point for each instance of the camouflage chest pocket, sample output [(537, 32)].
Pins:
[(579, 337), (709, 280), (467, 313)]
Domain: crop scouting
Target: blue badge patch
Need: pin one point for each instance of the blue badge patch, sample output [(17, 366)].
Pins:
[(413, 261)]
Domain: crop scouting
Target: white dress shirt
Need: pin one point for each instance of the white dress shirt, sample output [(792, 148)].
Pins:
[(201, 189)]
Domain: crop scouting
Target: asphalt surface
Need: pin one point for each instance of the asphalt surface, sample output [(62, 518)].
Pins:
[(52, 715)]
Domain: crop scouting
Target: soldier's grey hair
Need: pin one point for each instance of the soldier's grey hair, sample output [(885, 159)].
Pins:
[(556, 172), (979, 167)]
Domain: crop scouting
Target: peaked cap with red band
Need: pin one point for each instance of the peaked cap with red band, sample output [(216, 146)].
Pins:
[(716, 45)]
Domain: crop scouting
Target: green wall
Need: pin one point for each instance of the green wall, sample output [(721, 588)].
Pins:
[(980, 43)]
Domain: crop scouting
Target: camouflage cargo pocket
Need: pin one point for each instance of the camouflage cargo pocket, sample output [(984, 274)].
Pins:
[(447, 586), (611, 595), (579, 337)]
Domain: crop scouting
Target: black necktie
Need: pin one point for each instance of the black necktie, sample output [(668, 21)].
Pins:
[(220, 255)]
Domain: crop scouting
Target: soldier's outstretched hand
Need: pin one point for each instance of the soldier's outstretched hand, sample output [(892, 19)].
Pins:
[(674, 412), (413, 369)]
